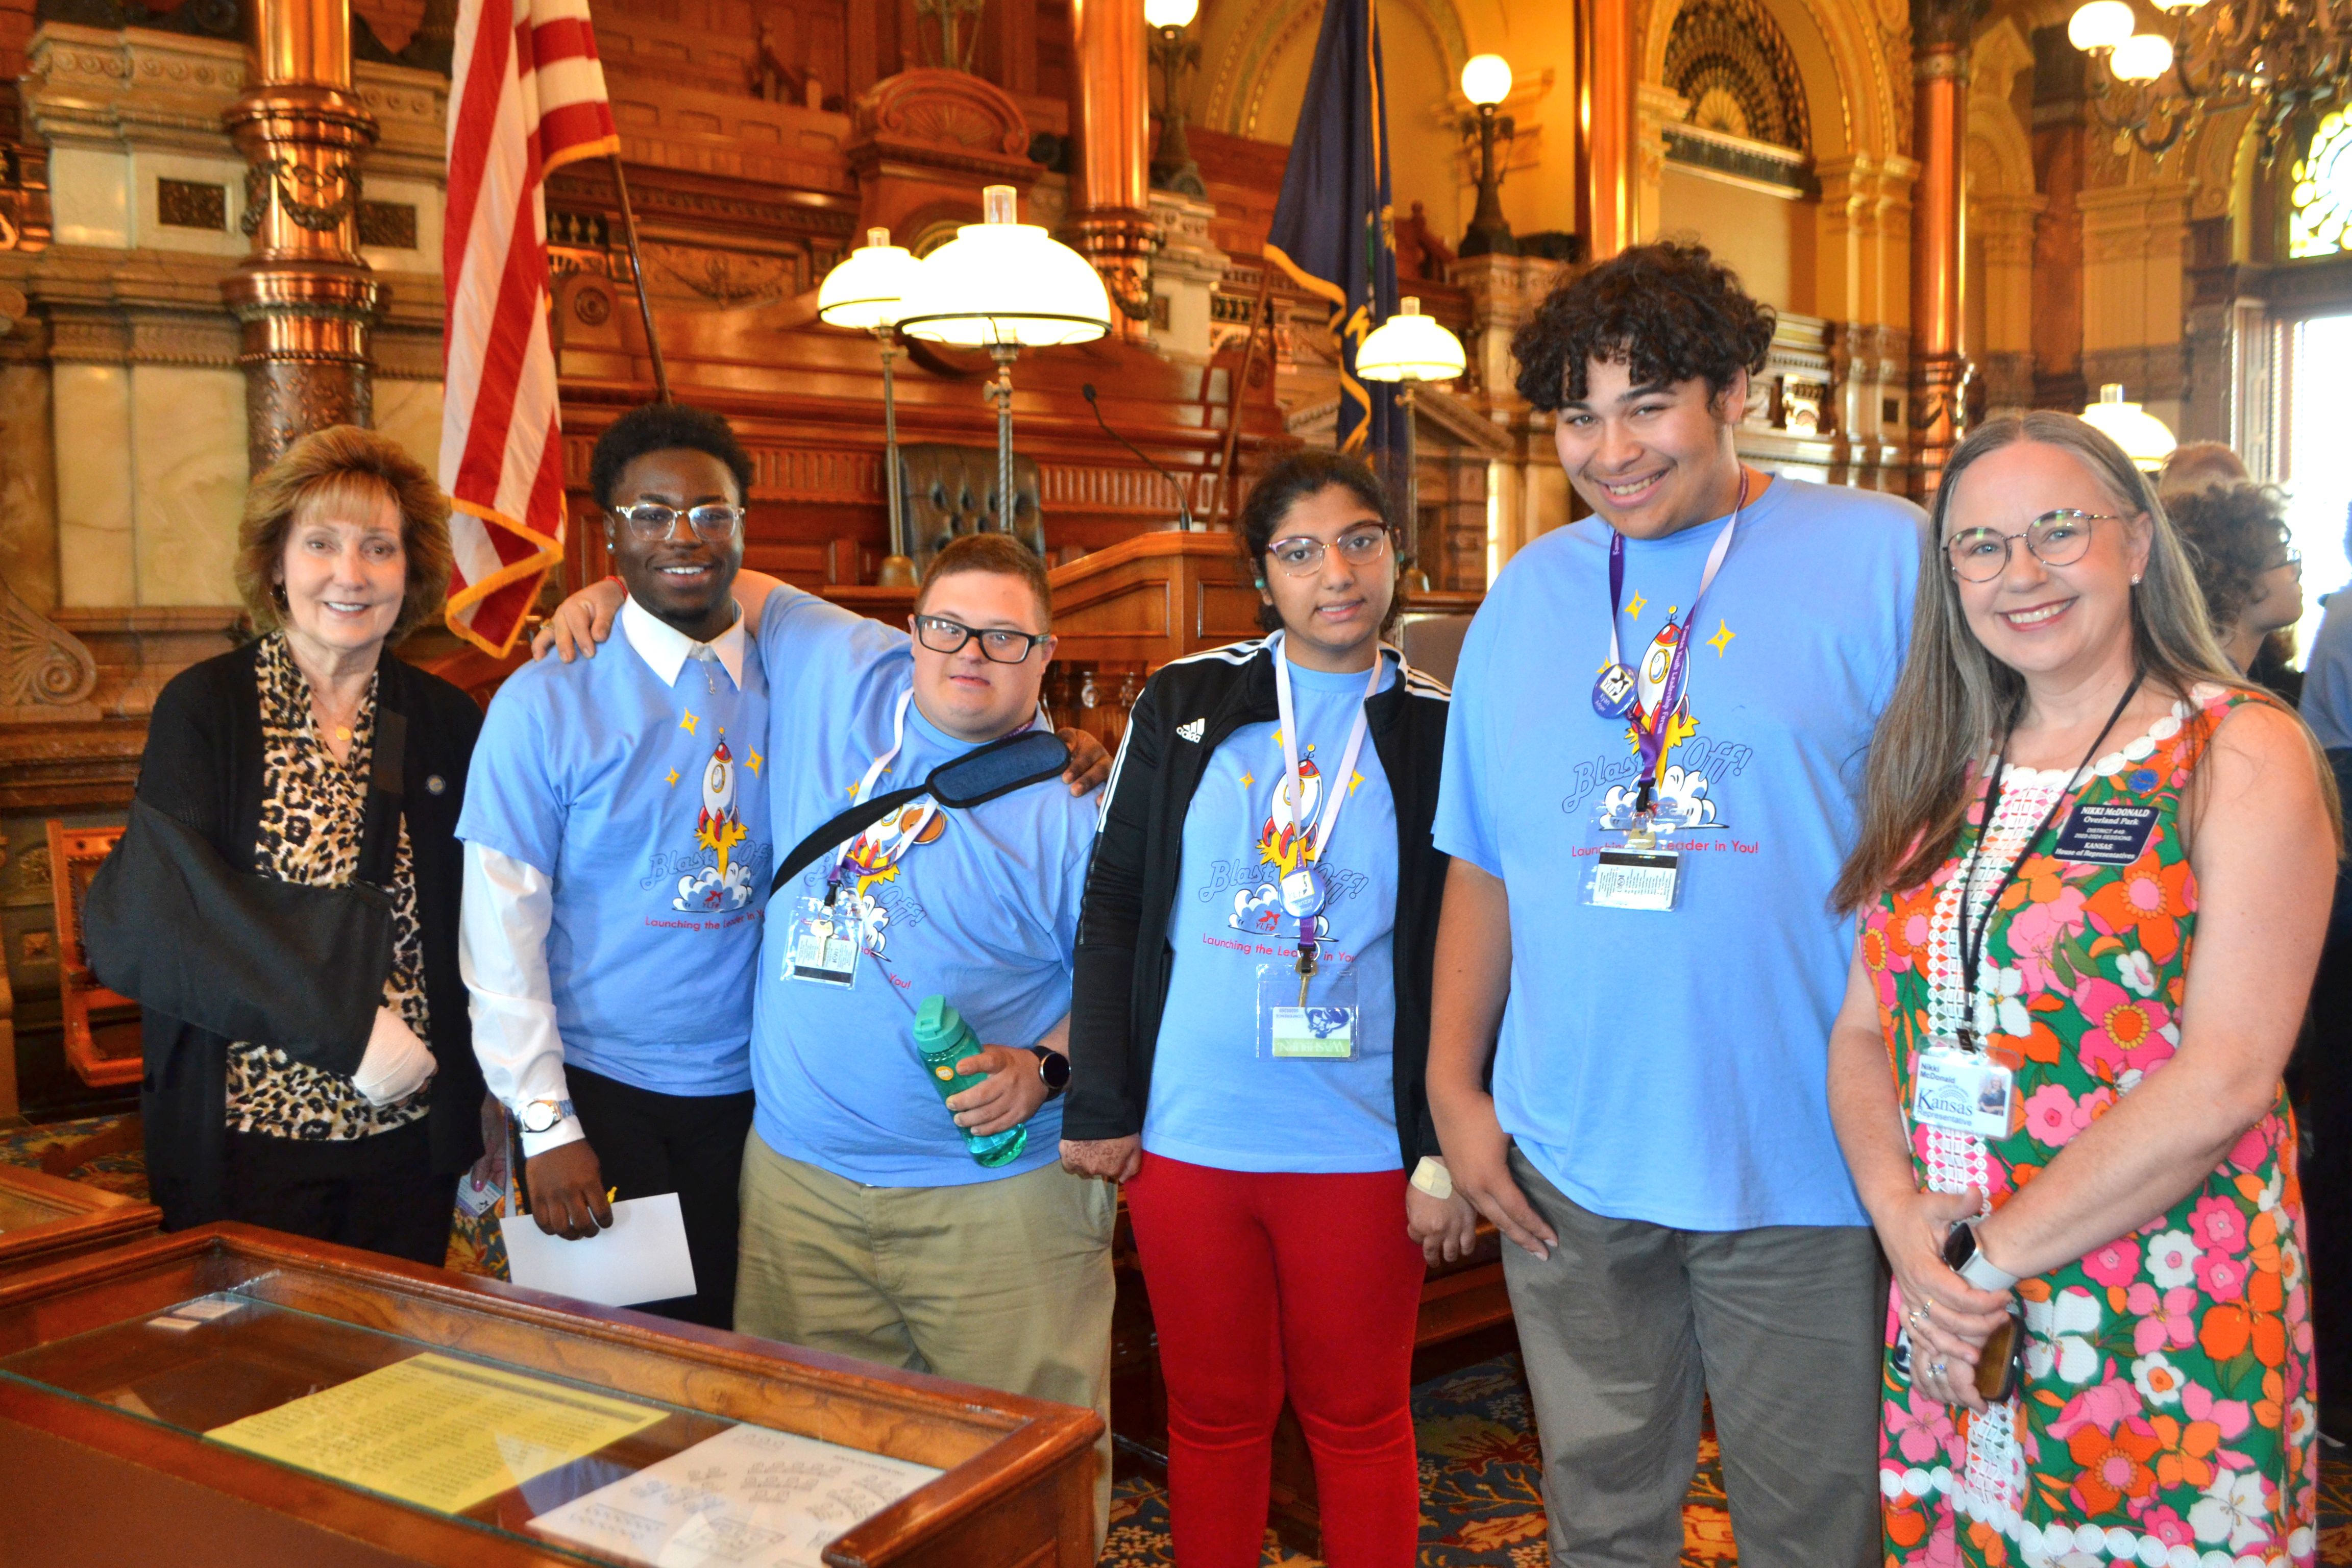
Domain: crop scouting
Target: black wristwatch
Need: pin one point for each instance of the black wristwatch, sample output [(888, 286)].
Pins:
[(1054, 1070)]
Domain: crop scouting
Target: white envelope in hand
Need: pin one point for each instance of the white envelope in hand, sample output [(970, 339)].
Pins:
[(642, 1257)]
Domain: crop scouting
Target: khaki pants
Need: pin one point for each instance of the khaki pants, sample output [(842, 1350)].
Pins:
[(1628, 1324), (1006, 1284)]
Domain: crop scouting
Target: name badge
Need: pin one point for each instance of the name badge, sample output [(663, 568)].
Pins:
[(2107, 833), (820, 945), (1307, 1018), (1962, 1091), (1635, 880)]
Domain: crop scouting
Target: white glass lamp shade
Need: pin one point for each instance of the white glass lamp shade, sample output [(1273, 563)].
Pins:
[(2100, 25), (1170, 13), (1410, 346), (1004, 284), (2143, 436), (1486, 79), (864, 287), (2179, 5), (2143, 57)]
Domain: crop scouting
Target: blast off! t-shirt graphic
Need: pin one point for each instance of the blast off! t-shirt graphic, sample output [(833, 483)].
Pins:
[(1667, 1065), (643, 802), (1245, 831), (980, 906)]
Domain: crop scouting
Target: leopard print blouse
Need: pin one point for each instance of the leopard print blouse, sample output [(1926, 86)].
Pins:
[(312, 809)]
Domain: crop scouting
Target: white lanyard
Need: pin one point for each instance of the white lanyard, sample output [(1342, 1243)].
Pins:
[(1336, 795), (879, 766), (1706, 578)]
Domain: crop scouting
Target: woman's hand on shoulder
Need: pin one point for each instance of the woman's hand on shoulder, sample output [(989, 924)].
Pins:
[(581, 622)]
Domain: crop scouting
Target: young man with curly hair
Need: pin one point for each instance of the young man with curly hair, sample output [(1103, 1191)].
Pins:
[(1637, 935)]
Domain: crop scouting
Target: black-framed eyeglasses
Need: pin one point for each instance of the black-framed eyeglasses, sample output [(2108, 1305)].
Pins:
[(649, 522), (2290, 556), (2058, 538), (1300, 555), (998, 645)]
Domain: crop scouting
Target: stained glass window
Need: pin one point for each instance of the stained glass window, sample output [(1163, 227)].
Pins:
[(2322, 203)]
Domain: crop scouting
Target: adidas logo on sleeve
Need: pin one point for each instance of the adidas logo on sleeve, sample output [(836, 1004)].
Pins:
[(1193, 731)]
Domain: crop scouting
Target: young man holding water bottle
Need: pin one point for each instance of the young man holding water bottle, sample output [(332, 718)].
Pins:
[(889, 1213), (879, 1222)]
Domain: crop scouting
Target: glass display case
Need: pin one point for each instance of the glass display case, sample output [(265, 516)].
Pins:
[(45, 1218), (250, 1397)]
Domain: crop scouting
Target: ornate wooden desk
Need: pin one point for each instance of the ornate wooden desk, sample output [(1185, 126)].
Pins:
[(115, 1367)]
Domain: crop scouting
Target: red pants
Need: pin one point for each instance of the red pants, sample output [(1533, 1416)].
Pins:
[(1263, 1283)]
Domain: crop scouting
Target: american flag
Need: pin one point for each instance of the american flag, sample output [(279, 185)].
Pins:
[(529, 96)]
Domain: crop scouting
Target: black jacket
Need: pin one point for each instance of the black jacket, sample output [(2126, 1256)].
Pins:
[(203, 767), (1124, 958)]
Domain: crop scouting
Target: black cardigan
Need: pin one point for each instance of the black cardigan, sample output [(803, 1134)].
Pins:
[(1124, 958), (203, 765)]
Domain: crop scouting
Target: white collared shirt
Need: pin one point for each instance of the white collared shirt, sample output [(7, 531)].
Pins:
[(507, 906)]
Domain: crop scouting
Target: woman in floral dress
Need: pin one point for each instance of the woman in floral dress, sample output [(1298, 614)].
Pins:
[(2069, 795)]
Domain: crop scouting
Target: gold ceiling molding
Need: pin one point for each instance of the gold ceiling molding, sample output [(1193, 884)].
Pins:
[(1238, 82), (1731, 63), (2006, 167), (1868, 43)]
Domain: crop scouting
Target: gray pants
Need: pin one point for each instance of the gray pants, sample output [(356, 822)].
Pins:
[(1628, 1324)]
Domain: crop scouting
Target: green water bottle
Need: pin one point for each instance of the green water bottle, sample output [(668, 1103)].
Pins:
[(942, 1039)]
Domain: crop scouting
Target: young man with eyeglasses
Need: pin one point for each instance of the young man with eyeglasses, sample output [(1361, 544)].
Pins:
[(871, 1227), (617, 858), (1651, 778)]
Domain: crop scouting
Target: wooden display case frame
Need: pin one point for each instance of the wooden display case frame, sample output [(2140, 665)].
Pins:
[(114, 1489), (90, 1219)]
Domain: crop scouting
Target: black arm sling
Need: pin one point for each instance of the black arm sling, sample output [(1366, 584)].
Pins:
[(973, 779)]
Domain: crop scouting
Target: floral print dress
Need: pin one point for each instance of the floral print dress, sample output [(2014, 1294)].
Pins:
[(2166, 1417)]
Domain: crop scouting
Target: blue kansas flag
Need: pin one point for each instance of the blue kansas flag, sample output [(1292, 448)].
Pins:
[(1332, 226)]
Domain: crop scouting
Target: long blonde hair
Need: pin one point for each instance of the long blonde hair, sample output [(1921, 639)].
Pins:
[(1954, 696)]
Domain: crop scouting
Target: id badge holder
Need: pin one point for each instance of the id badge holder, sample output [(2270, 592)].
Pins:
[(1956, 1089), (1318, 1024), (821, 945), (1630, 879)]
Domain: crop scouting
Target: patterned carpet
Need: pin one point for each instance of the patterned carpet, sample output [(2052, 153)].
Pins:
[(1479, 1460)]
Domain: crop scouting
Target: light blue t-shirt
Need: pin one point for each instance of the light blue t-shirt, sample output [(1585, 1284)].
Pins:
[(2328, 675), (980, 906), (1672, 1067), (1216, 1101), (646, 805)]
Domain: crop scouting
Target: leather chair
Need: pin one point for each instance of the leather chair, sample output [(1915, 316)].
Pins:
[(948, 490), (102, 1039)]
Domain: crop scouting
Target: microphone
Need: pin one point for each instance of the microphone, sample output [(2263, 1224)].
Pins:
[(1184, 506)]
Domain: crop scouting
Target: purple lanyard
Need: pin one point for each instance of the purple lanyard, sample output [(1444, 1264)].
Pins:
[(1652, 731)]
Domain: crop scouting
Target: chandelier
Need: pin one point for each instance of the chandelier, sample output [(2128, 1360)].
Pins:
[(2276, 57)]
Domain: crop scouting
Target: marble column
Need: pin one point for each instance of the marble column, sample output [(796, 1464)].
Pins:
[(1939, 367), (1109, 219), (304, 297)]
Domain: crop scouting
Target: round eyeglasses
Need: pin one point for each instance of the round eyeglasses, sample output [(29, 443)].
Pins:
[(1300, 555), (997, 645), (2057, 538), (650, 522)]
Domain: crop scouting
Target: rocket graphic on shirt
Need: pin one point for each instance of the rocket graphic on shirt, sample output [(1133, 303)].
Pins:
[(725, 883), (1281, 849), (1285, 837), (1683, 799)]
